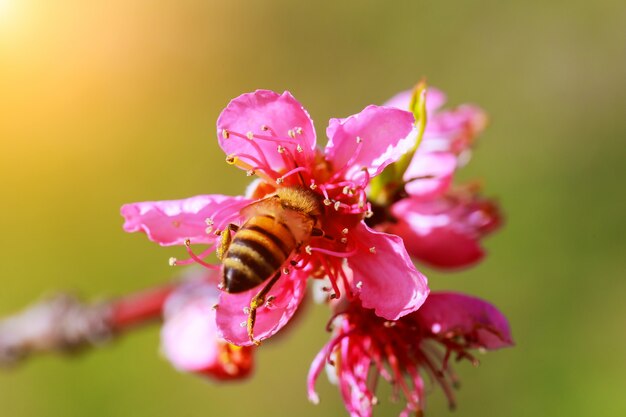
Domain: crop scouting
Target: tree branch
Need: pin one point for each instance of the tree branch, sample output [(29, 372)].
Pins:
[(65, 324)]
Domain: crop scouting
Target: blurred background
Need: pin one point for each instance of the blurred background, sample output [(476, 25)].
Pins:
[(103, 103)]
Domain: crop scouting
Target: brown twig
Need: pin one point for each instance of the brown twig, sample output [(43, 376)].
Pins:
[(65, 324)]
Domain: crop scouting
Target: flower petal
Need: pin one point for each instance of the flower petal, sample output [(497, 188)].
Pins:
[(189, 337), (437, 166), (435, 98), (266, 114), (384, 277), (440, 247), (477, 321), (445, 232), (385, 135), (171, 222), (454, 130), (287, 292)]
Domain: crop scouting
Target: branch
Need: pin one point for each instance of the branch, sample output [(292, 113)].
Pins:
[(65, 324)]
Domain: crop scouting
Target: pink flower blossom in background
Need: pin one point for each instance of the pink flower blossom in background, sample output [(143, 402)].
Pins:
[(189, 337), (272, 136), (442, 224), (364, 348)]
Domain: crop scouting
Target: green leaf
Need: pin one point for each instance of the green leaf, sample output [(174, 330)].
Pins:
[(385, 186)]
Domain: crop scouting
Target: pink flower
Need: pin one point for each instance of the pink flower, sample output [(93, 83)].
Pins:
[(270, 135), (365, 347), (442, 225), (189, 337)]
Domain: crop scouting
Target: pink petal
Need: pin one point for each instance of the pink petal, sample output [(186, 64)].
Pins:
[(288, 293), (478, 321), (438, 165), (385, 280), (445, 232), (434, 100), (171, 222), (280, 113), (189, 337), (439, 247), (384, 133), (454, 130)]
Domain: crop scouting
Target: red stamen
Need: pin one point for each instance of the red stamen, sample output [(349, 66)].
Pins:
[(197, 259)]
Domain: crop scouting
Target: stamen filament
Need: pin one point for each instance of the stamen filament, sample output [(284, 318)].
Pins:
[(197, 259)]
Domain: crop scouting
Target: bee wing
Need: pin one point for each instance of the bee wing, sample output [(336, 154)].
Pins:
[(268, 205)]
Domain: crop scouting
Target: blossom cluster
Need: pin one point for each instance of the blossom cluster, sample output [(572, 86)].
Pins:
[(384, 185)]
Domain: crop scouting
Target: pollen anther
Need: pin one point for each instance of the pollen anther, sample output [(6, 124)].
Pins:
[(299, 149), (250, 135), (225, 134), (373, 249), (172, 261)]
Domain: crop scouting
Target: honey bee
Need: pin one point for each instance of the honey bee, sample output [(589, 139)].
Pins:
[(275, 228)]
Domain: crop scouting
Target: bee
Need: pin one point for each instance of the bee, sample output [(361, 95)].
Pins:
[(275, 228)]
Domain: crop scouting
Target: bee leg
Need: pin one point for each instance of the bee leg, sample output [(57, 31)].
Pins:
[(225, 238), (256, 302)]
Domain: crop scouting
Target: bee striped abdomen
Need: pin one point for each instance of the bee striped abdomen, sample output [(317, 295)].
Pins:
[(256, 253)]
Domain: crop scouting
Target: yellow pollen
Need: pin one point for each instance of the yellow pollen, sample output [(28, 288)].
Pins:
[(208, 221), (313, 186), (250, 172), (172, 261), (373, 249), (337, 205), (208, 230), (344, 240), (308, 250), (291, 134), (225, 134), (298, 130), (344, 231), (299, 149), (327, 202), (250, 135), (231, 159), (281, 149)]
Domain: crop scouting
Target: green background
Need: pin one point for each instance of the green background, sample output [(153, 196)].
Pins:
[(103, 103)]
